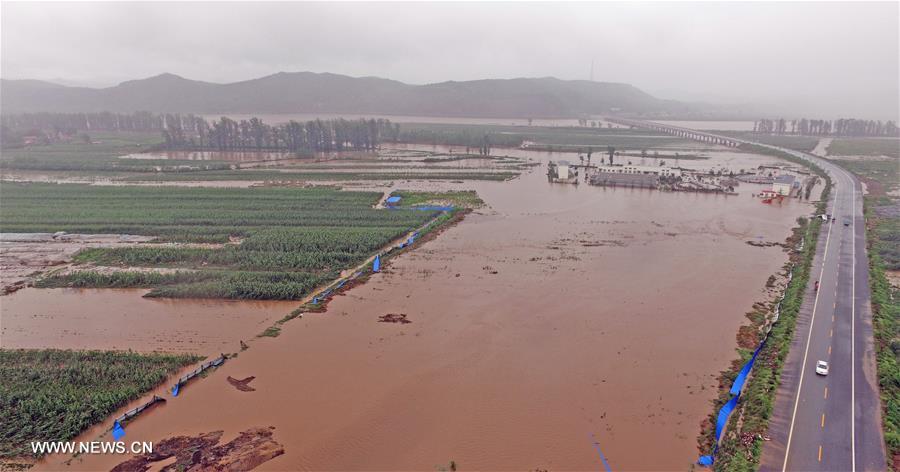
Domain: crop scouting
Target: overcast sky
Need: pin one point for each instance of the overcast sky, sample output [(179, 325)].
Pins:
[(829, 58)]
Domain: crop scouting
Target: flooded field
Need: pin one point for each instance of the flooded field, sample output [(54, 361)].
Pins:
[(558, 313), (122, 319)]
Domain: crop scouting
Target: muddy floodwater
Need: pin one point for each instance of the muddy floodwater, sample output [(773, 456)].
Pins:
[(122, 319), (558, 316)]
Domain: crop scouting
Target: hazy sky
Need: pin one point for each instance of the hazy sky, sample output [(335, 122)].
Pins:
[(841, 57)]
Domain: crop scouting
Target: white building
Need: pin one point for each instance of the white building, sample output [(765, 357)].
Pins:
[(562, 170), (661, 171), (784, 184)]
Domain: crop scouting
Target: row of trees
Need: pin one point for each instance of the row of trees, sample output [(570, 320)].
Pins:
[(226, 134), (183, 131), (840, 127)]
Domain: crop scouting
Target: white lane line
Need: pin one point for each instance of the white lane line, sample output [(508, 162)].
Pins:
[(812, 320), (853, 334)]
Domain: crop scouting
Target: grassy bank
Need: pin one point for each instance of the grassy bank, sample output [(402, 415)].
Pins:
[(741, 443), (52, 395), (885, 299)]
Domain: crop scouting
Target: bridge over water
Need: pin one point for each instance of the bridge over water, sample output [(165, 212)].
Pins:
[(677, 131)]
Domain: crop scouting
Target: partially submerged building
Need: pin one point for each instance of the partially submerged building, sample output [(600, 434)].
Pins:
[(562, 172), (785, 184), (660, 171)]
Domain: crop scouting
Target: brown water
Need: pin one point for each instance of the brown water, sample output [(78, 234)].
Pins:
[(561, 312), (122, 319)]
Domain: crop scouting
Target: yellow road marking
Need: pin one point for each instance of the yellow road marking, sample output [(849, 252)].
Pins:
[(831, 332), (829, 350), (823, 420), (826, 392), (820, 453)]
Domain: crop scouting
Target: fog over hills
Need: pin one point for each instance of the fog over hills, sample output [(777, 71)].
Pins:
[(307, 92)]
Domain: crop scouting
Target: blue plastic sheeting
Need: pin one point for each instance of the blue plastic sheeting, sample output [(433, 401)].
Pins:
[(723, 416), (118, 431), (745, 371), (341, 283), (175, 389), (706, 460), (376, 266), (315, 300), (392, 200), (433, 208), (602, 457)]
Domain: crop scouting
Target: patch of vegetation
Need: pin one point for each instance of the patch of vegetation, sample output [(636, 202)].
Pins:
[(276, 176), (53, 395), (865, 147), (797, 143), (458, 199), (295, 239), (572, 139), (270, 332), (101, 153), (885, 312), (881, 175)]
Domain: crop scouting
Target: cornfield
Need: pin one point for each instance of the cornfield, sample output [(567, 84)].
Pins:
[(294, 239), (53, 395)]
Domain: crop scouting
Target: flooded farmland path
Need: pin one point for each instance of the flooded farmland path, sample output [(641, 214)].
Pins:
[(558, 313)]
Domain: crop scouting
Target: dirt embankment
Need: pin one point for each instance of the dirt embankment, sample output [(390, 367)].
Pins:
[(201, 453)]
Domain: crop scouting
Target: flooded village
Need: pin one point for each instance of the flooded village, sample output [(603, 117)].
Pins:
[(446, 236), (469, 377)]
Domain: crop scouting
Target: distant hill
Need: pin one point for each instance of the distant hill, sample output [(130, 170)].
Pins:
[(307, 92)]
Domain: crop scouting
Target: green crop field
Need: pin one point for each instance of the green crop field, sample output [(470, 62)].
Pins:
[(102, 154), (865, 147), (52, 395), (878, 172), (291, 239), (798, 143), (269, 175), (560, 138)]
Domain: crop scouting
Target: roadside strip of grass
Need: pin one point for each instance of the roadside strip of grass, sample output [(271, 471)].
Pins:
[(885, 299), (741, 443)]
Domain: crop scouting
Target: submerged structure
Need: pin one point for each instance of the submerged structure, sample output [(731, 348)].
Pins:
[(562, 173)]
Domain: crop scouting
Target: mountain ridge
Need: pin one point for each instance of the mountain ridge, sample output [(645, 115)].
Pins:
[(311, 92)]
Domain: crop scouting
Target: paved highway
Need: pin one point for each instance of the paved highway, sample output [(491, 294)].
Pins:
[(833, 422)]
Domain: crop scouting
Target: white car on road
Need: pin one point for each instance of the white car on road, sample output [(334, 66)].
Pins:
[(822, 368)]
